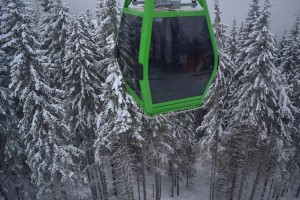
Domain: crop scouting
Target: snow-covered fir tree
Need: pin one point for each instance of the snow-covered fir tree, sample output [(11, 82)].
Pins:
[(82, 81), (9, 144), (235, 148), (235, 142), (214, 121), (261, 113), (247, 28), (99, 13), (220, 87), (92, 24), (232, 44), (108, 19), (13, 173), (182, 141), (4, 99), (54, 27), (219, 27), (156, 150), (290, 61), (290, 65), (37, 15), (83, 87), (280, 46), (167, 141), (118, 123), (49, 153)]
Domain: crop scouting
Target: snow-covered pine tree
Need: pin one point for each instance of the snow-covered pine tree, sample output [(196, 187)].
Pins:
[(6, 125), (261, 112), (280, 46), (91, 23), (235, 145), (247, 28), (167, 141), (118, 123), (82, 81), (48, 151), (157, 147), (54, 27), (290, 61), (14, 175), (219, 27), (100, 15), (290, 66), (46, 5), (214, 121), (11, 153), (182, 141), (5, 109), (108, 19), (83, 86), (232, 44)]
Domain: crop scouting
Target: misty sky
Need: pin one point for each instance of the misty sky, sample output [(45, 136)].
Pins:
[(284, 11)]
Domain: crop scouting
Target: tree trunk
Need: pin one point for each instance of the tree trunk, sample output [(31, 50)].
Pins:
[(103, 182), (298, 192), (127, 173), (227, 190), (258, 174), (2, 193), (96, 171), (215, 152), (270, 190), (234, 179), (138, 184), (113, 176), (212, 182), (187, 178), (157, 180), (243, 173), (172, 178), (177, 181), (214, 163), (90, 178), (266, 180), (274, 193), (295, 178), (153, 193), (63, 193), (144, 177), (52, 188)]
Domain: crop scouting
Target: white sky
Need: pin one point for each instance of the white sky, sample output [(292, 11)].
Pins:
[(284, 11)]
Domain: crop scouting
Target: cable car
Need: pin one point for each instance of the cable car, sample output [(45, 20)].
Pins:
[(167, 53)]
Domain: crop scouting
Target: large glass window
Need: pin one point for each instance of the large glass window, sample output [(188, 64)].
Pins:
[(129, 44), (181, 58)]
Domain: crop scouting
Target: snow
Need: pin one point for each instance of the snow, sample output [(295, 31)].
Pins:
[(198, 189)]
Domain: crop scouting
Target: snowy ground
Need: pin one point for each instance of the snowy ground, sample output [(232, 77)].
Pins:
[(197, 190)]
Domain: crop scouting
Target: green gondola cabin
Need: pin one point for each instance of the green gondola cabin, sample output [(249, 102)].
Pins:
[(167, 53)]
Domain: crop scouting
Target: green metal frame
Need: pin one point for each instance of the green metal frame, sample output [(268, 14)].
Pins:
[(148, 15)]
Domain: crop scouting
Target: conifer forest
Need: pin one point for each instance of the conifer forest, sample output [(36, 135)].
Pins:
[(70, 131)]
